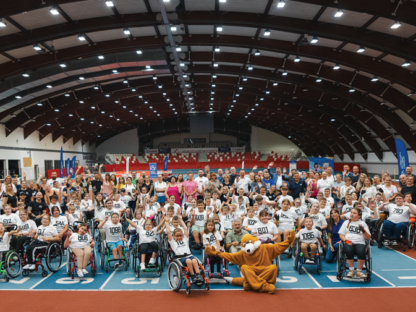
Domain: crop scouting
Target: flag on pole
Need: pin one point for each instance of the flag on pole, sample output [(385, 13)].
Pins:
[(62, 163), (242, 165), (402, 156), (68, 165), (165, 163), (73, 166)]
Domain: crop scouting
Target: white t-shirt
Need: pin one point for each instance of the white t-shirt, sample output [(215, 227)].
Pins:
[(46, 232), (246, 200), (86, 204), (200, 218), (264, 231), (150, 210), (172, 228), (98, 209), (286, 219), (140, 223), (250, 222), (211, 239), (347, 207), (364, 215), (104, 213), (180, 248), (129, 188), (118, 205), (300, 211), (318, 220), (290, 198), (4, 242), (59, 223), (159, 185), (51, 181), (308, 236), (176, 207), (370, 192), (329, 201), (126, 199), (79, 241), (324, 184), (243, 183), (226, 221), (112, 232), (216, 203), (389, 192), (10, 219), (352, 232), (52, 205), (202, 181), (27, 226), (398, 214), (325, 211), (241, 210), (147, 236)]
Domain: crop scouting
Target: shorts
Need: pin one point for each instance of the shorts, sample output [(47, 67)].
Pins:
[(114, 245), (161, 199), (197, 228), (283, 227), (183, 260)]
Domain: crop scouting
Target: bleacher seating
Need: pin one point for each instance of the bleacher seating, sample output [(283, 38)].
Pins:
[(122, 158), (281, 155), (173, 158), (238, 156), (196, 145)]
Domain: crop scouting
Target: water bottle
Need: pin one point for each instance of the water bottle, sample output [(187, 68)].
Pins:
[(301, 254)]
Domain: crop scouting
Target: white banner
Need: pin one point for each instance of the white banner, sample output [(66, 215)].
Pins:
[(237, 149), (194, 150), (151, 151)]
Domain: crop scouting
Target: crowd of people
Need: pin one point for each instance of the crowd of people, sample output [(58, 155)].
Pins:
[(218, 208)]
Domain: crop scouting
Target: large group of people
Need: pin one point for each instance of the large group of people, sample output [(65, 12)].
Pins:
[(218, 208)]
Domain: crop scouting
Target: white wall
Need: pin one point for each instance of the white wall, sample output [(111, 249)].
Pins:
[(179, 137), (266, 141), (374, 166), (124, 143), (31, 147)]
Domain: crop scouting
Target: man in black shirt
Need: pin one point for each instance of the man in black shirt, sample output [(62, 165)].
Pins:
[(410, 187), (233, 175), (96, 183), (354, 176), (25, 190), (166, 177), (207, 174), (38, 207)]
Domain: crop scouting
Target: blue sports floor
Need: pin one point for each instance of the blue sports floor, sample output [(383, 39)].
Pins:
[(390, 269)]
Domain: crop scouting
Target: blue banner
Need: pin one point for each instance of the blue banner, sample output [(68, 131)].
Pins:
[(73, 166), (319, 164), (165, 163), (163, 150), (153, 170), (62, 163), (68, 165), (292, 164), (402, 157)]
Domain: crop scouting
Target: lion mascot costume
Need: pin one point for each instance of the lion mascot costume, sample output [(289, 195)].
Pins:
[(255, 260)]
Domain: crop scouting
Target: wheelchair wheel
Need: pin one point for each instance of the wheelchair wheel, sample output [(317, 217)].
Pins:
[(102, 256), (411, 235), (340, 264), (54, 257), (380, 237), (175, 276), (69, 263), (277, 263), (13, 265), (296, 257)]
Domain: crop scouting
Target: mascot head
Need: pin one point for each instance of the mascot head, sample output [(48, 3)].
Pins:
[(249, 243)]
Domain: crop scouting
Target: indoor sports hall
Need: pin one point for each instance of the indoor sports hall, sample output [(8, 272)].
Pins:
[(174, 154)]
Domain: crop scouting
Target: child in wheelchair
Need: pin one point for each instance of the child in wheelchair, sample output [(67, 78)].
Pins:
[(285, 219), (251, 220), (198, 221), (5, 238), (353, 234), (266, 231), (309, 238), (114, 236), (131, 231), (212, 237), (80, 243)]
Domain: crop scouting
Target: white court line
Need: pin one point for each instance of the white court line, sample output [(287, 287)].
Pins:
[(400, 253), (31, 288), (384, 279), (400, 270), (407, 277), (108, 279), (312, 278)]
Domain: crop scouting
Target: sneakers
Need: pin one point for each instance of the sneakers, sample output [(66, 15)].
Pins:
[(394, 243), (386, 243), (116, 265), (15, 258), (29, 267), (360, 274), (80, 274), (152, 261), (142, 266), (350, 274), (84, 271), (371, 243), (309, 261)]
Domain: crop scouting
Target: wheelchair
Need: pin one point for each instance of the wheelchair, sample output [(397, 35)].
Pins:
[(150, 268), (342, 265), (192, 244), (52, 257), (165, 250), (407, 237), (11, 265), (178, 272), (206, 264), (105, 256), (299, 260)]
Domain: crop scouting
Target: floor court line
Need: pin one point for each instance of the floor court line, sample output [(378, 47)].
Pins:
[(384, 279), (108, 279), (312, 278), (43, 279)]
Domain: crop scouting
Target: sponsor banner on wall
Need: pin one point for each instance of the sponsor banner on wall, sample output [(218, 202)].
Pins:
[(224, 149), (292, 164), (319, 164), (151, 151), (402, 156), (195, 150), (153, 170), (163, 150), (238, 149)]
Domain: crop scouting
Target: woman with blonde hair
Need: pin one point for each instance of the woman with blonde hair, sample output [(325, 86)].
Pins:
[(9, 197), (8, 180)]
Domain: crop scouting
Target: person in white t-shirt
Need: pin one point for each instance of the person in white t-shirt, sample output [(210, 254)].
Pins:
[(300, 208), (45, 233), (353, 234), (212, 237), (5, 238), (27, 231), (251, 220), (309, 237), (285, 220), (118, 203), (242, 181), (318, 218), (264, 230), (81, 243), (399, 214), (241, 194), (179, 242), (202, 184), (324, 183), (113, 235), (284, 196), (160, 188), (60, 222), (171, 202)]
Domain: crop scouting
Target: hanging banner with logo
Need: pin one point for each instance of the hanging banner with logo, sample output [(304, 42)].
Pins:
[(402, 156), (73, 166), (319, 164), (292, 164), (62, 163), (165, 163), (153, 170), (68, 166)]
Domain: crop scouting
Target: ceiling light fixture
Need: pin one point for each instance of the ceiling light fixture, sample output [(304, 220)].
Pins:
[(26, 75), (361, 49), (2, 23), (336, 67), (284, 73), (219, 28), (63, 65), (406, 63), (139, 52), (109, 4), (126, 31), (36, 47), (257, 52), (339, 13), (100, 57), (281, 4), (314, 40), (375, 78), (217, 49), (54, 11), (249, 67), (396, 24), (266, 33), (297, 59), (81, 37)]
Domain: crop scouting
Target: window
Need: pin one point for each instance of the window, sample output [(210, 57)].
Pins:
[(48, 165), (57, 164)]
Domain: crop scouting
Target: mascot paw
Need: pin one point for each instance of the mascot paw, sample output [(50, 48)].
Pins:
[(272, 289), (292, 237), (228, 279)]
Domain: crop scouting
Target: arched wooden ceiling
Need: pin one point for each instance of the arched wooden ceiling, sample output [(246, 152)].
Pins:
[(322, 118)]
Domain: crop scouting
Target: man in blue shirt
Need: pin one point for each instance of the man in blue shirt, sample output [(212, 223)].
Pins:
[(297, 187), (278, 177), (268, 180)]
